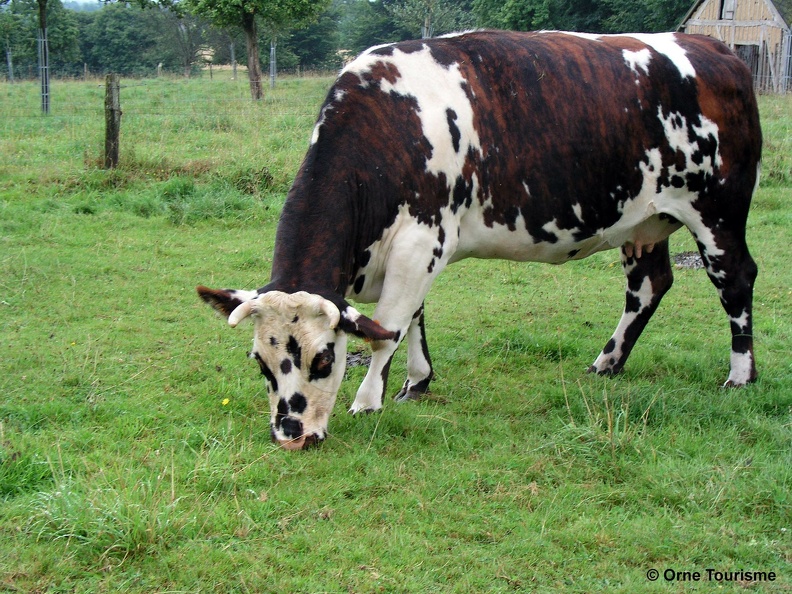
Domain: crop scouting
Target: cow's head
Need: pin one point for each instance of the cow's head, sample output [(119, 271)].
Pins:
[(299, 343)]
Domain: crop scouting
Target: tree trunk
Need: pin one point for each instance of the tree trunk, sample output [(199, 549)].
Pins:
[(254, 64)]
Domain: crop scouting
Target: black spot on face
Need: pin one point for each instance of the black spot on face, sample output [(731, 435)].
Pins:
[(281, 413), (298, 403), (322, 364), (286, 366), (266, 372), (293, 348), (273, 341), (292, 428), (295, 319)]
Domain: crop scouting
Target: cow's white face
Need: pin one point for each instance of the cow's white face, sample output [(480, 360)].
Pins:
[(302, 355)]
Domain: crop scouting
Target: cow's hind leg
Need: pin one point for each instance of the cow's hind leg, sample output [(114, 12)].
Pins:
[(419, 364), (649, 277), (733, 272)]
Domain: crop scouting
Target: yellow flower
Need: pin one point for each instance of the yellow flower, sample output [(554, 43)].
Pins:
[(225, 401)]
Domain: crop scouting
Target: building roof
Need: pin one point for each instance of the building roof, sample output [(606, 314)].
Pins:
[(784, 8)]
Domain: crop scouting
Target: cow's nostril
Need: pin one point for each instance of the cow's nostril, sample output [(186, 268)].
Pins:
[(291, 427), (312, 441)]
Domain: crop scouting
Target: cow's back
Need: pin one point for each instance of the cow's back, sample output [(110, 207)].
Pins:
[(535, 146)]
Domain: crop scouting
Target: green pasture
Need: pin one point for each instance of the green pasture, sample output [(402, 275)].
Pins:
[(134, 440)]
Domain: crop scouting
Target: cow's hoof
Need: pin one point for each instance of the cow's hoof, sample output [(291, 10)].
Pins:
[(609, 372), (362, 411), (734, 384), (407, 395)]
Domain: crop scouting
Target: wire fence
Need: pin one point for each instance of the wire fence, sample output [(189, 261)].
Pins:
[(173, 119)]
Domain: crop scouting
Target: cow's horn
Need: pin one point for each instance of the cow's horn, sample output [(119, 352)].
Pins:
[(329, 309), (242, 311)]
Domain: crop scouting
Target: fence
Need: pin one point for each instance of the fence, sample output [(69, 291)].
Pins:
[(169, 122)]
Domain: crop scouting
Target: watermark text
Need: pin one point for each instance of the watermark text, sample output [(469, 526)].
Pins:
[(709, 574)]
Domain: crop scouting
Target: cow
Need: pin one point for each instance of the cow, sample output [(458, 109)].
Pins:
[(542, 146)]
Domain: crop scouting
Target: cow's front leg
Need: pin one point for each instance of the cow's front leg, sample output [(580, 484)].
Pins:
[(649, 276), (369, 395), (413, 264), (419, 364)]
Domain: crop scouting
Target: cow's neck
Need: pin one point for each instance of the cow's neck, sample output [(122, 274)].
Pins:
[(314, 247)]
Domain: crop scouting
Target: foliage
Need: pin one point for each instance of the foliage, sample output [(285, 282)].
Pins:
[(591, 16), (365, 24), (21, 25), (316, 45), (120, 38), (428, 18), (123, 38), (277, 17), (651, 15), (134, 447)]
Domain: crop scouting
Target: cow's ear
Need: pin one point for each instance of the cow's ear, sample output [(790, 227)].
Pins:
[(354, 322), (224, 300)]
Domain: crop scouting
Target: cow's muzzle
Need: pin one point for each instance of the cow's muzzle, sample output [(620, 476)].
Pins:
[(298, 443)]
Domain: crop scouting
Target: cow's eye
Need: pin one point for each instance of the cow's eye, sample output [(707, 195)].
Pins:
[(326, 359), (322, 364)]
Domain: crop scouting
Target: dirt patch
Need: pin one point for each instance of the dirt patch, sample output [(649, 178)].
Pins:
[(688, 260)]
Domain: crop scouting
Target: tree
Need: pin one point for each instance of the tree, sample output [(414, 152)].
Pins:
[(275, 15), (647, 16), (10, 29), (365, 23), (316, 45), (182, 37), (427, 18), (22, 23), (528, 15), (121, 40)]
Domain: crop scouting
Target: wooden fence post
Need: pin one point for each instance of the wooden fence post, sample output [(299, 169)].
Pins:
[(112, 120)]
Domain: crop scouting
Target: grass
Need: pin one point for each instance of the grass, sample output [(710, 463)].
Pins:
[(134, 447)]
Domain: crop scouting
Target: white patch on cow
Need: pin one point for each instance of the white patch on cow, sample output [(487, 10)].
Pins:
[(636, 60), (578, 210), (436, 89), (662, 43), (337, 97), (589, 36), (666, 44), (676, 131), (742, 367), (742, 321), (565, 236), (644, 293)]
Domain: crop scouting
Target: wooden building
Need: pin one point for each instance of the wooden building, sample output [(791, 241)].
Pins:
[(759, 31)]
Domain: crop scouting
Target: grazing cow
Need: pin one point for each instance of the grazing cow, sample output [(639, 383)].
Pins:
[(542, 147)]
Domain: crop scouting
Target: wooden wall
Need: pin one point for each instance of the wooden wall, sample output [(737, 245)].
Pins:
[(753, 29)]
